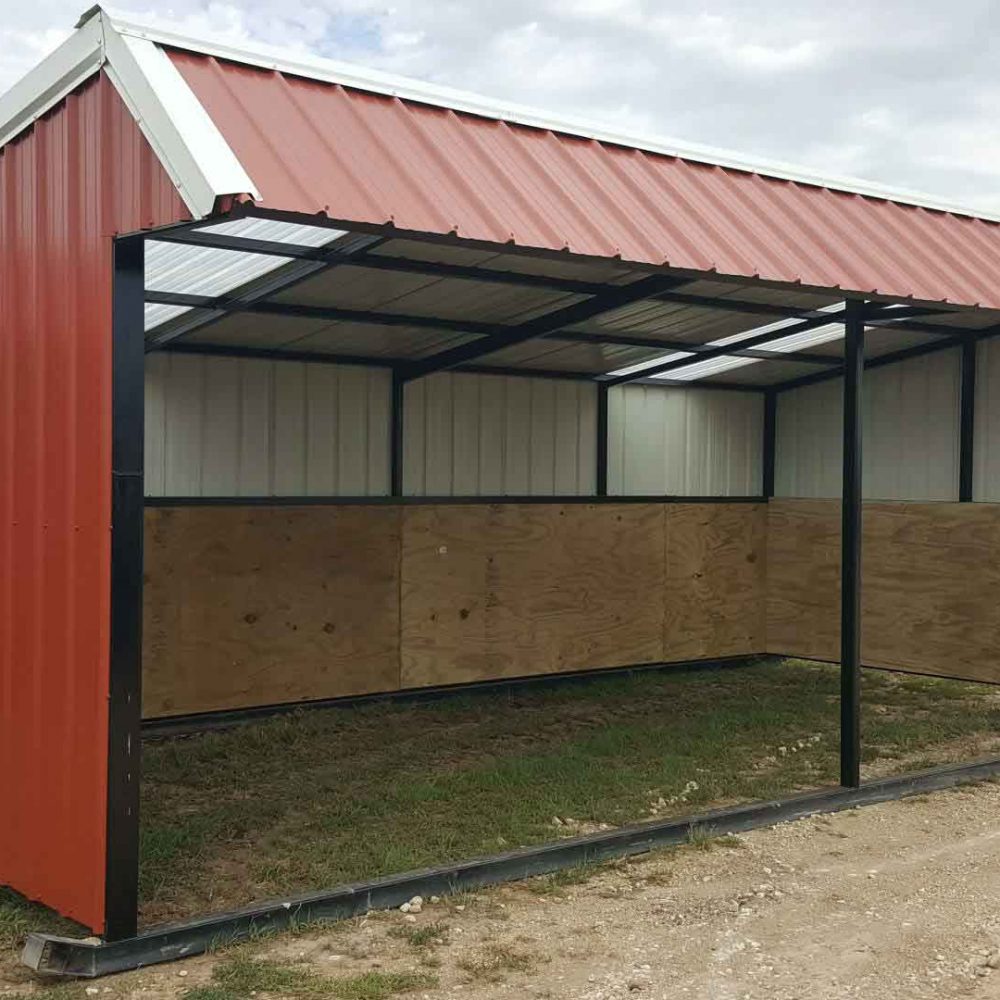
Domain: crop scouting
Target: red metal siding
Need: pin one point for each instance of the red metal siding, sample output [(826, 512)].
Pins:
[(315, 147), (78, 176)]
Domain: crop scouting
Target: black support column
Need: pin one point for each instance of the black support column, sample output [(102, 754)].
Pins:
[(850, 565), (967, 431), (601, 488), (396, 435), (125, 667), (770, 434)]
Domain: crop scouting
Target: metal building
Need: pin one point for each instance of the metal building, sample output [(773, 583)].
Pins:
[(238, 279)]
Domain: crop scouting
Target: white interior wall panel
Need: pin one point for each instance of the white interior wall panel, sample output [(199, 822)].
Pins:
[(494, 435), (986, 456), (246, 427), (910, 433), (684, 442)]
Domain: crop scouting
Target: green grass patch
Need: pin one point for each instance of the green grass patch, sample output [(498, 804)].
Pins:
[(321, 798), (242, 976), (421, 935)]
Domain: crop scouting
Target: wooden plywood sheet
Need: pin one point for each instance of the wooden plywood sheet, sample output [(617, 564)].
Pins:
[(511, 590), (715, 587), (930, 585), (262, 605)]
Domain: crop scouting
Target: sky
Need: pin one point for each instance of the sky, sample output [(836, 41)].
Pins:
[(903, 92)]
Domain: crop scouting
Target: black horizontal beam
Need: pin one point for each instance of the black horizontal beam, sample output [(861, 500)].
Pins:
[(611, 298), (322, 358), (733, 351), (385, 500), (721, 352), (892, 357), (59, 956)]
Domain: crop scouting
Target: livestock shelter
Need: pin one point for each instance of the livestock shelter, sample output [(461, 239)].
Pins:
[(318, 383)]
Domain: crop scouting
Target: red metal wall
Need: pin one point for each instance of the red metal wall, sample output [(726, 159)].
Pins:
[(80, 175)]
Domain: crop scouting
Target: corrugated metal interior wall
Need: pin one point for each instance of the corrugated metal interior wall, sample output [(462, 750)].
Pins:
[(911, 433), (986, 457), (236, 427), (686, 442), (246, 427), (499, 436)]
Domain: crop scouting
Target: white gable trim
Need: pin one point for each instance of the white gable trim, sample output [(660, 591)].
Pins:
[(187, 142)]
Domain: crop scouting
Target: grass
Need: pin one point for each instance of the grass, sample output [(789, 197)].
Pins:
[(555, 882), (321, 798), (492, 963), (242, 976), (420, 935)]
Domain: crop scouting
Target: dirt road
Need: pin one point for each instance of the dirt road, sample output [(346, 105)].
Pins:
[(898, 900)]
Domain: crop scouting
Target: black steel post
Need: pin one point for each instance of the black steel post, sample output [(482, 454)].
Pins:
[(770, 432), (850, 565), (967, 432), (125, 666), (396, 434), (601, 488)]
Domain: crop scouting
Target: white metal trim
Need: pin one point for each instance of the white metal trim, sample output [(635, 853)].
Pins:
[(189, 145), (78, 58), (374, 81)]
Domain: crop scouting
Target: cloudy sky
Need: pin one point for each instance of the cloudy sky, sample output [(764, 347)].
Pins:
[(905, 93)]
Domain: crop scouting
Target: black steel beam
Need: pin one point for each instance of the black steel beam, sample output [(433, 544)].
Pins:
[(721, 352), (733, 351), (59, 956), (601, 487), (171, 727), (459, 499), (770, 436), (967, 426), (397, 450), (612, 298), (850, 549), (918, 350), (322, 358), (125, 665)]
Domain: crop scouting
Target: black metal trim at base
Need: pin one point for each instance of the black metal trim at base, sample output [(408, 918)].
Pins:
[(170, 726), (384, 500), (59, 956)]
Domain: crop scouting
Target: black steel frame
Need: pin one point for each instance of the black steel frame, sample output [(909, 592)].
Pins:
[(59, 956), (122, 948)]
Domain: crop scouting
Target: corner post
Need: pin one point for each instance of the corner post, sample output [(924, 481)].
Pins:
[(967, 425), (125, 667), (850, 540), (601, 488)]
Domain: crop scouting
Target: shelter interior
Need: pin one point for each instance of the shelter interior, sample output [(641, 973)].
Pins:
[(378, 463)]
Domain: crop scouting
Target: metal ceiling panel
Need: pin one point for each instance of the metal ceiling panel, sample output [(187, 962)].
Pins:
[(433, 170)]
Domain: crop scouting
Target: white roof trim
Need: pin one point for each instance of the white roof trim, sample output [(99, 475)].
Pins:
[(374, 81), (187, 142), (192, 150), (78, 58)]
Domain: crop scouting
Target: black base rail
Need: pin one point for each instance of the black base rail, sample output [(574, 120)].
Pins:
[(169, 726), (60, 956)]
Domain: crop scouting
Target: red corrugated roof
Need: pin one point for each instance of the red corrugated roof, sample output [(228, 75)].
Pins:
[(317, 147)]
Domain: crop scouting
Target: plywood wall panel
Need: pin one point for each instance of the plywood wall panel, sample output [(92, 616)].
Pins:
[(930, 593), (264, 605), (715, 597)]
